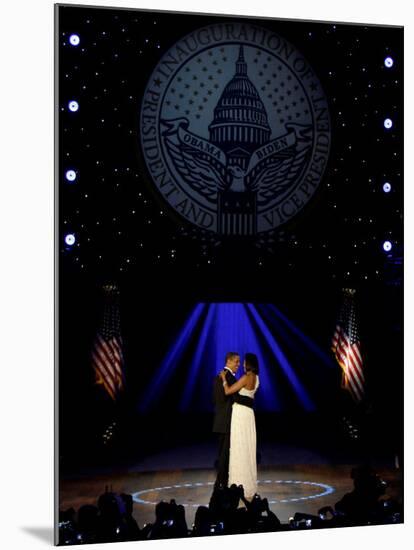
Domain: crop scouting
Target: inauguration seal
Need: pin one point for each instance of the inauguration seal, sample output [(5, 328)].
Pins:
[(235, 129)]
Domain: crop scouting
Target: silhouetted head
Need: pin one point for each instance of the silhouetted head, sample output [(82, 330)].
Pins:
[(108, 505), (129, 503), (163, 511), (202, 517), (234, 496)]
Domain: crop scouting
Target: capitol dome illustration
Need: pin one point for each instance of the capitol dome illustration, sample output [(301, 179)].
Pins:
[(240, 123)]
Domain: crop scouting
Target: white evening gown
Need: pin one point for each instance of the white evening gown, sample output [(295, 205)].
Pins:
[(242, 463)]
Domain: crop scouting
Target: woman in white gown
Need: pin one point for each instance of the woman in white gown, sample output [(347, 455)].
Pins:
[(242, 464)]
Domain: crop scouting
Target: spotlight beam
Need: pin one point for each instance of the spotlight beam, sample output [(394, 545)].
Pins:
[(197, 360), (299, 389), (167, 367), (308, 341), (234, 331)]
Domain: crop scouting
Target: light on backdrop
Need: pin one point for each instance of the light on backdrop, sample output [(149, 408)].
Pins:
[(388, 62), (73, 106), (70, 175), (387, 123), (386, 187), (171, 360), (70, 239), (387, 246), (74, 40)]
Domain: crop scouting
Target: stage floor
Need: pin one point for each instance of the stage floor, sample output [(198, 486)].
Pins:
[(293, 480)]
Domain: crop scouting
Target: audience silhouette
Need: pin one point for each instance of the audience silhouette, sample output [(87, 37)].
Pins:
[(228, 513)]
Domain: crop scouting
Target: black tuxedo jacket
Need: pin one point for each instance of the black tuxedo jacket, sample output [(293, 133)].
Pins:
[(223, 403)]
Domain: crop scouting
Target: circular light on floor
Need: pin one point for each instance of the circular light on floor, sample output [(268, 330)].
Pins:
[(327, 490)]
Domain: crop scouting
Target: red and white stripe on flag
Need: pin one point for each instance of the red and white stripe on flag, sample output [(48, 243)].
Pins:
[(107, 363), (349, 358)]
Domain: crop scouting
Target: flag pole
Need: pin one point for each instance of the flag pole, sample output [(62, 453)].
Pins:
[(346, 346), (108, 362)]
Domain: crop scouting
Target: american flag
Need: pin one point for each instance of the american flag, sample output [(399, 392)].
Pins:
[(107, 356), (347, 348)]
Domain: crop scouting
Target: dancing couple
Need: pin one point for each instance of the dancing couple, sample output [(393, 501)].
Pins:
[(235, 424)]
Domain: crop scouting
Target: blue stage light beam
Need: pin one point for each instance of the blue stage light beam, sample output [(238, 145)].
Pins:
[(234, 331), (299, 389), (197, 360), (276, 326), (311, 345), (169, 363), (229, 334)]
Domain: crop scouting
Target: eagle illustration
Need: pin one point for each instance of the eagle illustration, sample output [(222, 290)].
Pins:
[(270, 177)]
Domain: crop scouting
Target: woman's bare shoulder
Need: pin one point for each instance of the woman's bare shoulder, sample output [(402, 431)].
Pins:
[(251, 380)]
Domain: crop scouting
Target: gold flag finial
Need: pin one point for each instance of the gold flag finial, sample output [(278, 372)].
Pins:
[(349, 291), (110, 288)]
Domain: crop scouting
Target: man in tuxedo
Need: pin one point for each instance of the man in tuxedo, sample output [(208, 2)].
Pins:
[(222, 416)]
